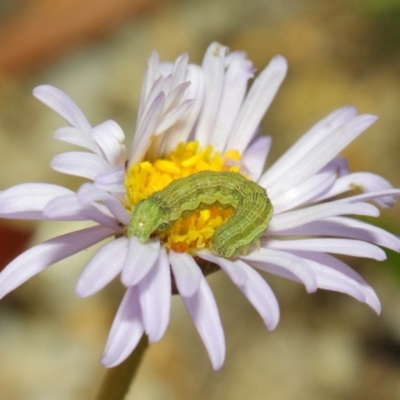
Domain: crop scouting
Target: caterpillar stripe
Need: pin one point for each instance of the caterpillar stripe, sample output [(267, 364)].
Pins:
[(252, 209)]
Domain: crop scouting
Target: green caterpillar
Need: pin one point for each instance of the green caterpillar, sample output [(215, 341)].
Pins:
[(252, 209)]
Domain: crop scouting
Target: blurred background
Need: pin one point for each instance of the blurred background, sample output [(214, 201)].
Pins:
[(327, 346)]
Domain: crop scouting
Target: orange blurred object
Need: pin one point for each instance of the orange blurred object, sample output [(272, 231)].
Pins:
[(42, 30)]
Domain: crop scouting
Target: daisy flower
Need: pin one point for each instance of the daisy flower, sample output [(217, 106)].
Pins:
[(193, 118)]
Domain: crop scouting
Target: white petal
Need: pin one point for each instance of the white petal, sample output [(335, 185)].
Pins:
[(104, 266), (139, 260), (347, 247), (204, 313), (252, 285), (258, 100), (283, 264), (293, 219), (155, 298), (62, 105), (27, 201), (78, 163), (126, 330), (43, 255), (318, 133), (255, 156), (187, 273)]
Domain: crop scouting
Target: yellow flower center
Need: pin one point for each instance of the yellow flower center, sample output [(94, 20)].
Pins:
[(196, 230)]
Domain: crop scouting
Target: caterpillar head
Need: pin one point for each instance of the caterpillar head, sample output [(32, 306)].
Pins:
[(145, 218)]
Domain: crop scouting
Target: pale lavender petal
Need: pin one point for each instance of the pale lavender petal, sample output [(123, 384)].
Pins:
[(179, 70), (64, 208), (28, 200), (204, 313), (213, 67), (339, 165), (126, 330), (346, 227), (143, 135), (78, 163), (175, 98), (166, 69), (104, 266), (313, 188), (317, 134), (303, 193), (89, 193), (232, 267), (161, 85), (385, 198), (43, 255), (112, 180), (239, 71), (255, 156), (321, 154), (339, 266), (347, 247), (283, 264), (77, 137), (155, 88), (252, 285), (293, 219), (365, 181), (258, 100), (139, 260), (69, 208), (152, 73), (171, 118), (183, 128), (187, 273), (331, 279), (63, 105), (108, 137), (155, 298)]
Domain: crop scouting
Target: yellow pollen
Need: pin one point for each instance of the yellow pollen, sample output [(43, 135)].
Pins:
[(192, 161), (167, 166), (195, 231)]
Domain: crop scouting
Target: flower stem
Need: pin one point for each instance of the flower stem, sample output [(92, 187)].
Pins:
[(117, 380)]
